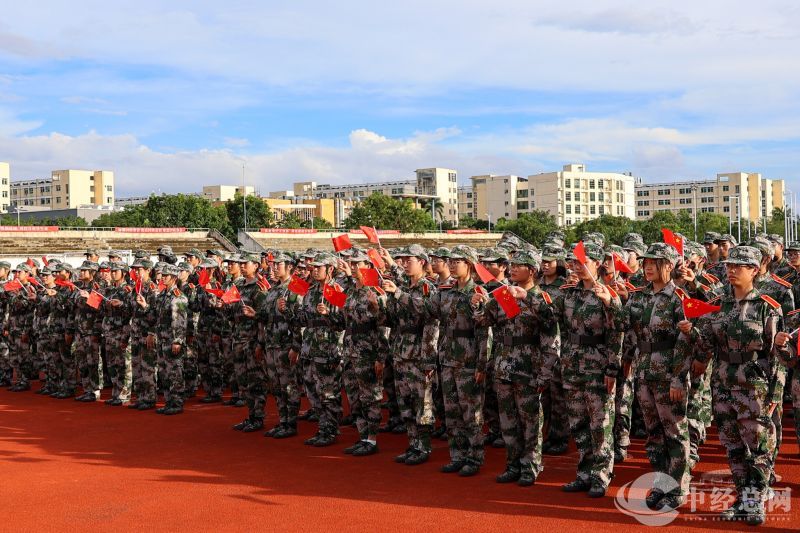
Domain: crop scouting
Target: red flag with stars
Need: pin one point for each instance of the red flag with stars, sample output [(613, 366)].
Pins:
[(13, 285), (484, 274), (299, 286), (94, 299), (371, 233), (231, 295), (580, 253), (370, 277), (376, 259), (342, 242), (694, 308), (506, 301), (620, 265), (673, 240), (334, 296)]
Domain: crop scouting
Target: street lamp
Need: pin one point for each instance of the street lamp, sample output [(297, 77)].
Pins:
[(489, 218), (694, 209)]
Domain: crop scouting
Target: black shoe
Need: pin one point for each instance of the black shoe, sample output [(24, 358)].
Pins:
[(43, 390), (239, 403), (274, 430), (597, 490), (350, 449), (557, 449), (305, 415), (88, 397), (256, 424), (452, 467), (211, 399), (241, 425), (578, 485), (526, 478), (653, 500), (325, 440), (116, 402), (161, 410), (21, 388), (174, 410), (133, 405), (734, 512), (286, 432), (346, 420), (755, 512), (417, 458), (469, 470), (367, 448), (620, 454), (313, 440), (490, 438), (145, 406), (672, 501), (509, 476), (400, 459), (61, 395), (232, 401), (54, 393)]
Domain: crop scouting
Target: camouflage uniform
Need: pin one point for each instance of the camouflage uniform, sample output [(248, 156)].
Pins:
[(169, 327), (651, 330), (742, 335), (51, 337), (116, 335), (21, 310), (591, 350), (208, 340), (5, 364), (233, 370), (143, 359), (247, 349), (87, 338)]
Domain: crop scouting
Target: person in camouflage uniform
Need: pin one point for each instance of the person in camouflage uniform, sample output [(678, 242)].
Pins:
[(6, 374), (208, 341), (414, 345), (779, 265), (168, 338), (88, 332), (712, 248), (118, 309), (65, 312), (724, 244), (143, 354), (443, 281), (741, 334), (526, 349), (321, 348), (662, 373), (21, 309), (590, 314), (187, 283), (233, 369), (282, 344), (51, 332), (463, 358)]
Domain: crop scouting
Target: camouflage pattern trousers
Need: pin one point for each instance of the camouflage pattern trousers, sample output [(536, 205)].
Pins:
[(415, 400), (170, 366), (306, 374), (119, 361), (87, 356), (232, 370), (369, 391), (351, 388), (796, 404), (20, 356), (253, 386), (667, 443), (282, 384), (491, 413), (49, 347), (623, 407), (208, 348), (554, 407), (463, 411), (699, 410), (327, 383), (143, 361), (190, 367), (68, 368), (5, 362), (520, 411), (591, 421), (747, 432), (392, 403)]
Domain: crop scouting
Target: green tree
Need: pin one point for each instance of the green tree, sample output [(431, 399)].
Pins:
[(384, 212), (259, 215), (317, 223), (614, 228), (438, 208), (290, 221), (532, 227)]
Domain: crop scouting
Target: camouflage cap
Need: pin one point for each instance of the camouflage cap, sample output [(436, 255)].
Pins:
[(633, 246), (465, 252), (141, 254), (711, 237), (142, 263), (619, 250), (90, 251), (661, 250), (183, 266), (698, 249), (119, 266), (171, 270), (67, 267), (233, 258), (593, 251), (553, 253), (727, 237), (89, 265), (442, 253), (209, 263), (744, 255), (159, 266), (23, 267), (115, 253), (55, 269), (34, 261), (215, 253), (777, 239), (46, 272), (509, 238), (632, 237), (594, 237), (165, 250), (794, 245), (555, 235), (495, 255), (5, 264), (250, 257), (764, 246), (325, 259), (104, 265), (282, 257), (53, 261), (414, 250), (524, 257), (194, 252), (570, 256)]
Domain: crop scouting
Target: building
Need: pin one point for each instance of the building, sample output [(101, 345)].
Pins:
[(5, 187), (223, 193), (496, 197), (131, 201), (465, 201), (438, 184), (89, 214), (729, 194), (65, 189)]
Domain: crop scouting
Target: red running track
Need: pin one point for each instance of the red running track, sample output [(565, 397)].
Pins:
[(69, 466)]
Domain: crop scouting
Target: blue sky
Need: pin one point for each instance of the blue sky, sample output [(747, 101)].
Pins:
[(175, 95)]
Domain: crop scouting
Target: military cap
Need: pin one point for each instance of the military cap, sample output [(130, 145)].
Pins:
[(551, 252), (594, 237), (56, 268), (282, 257), (510, 239), (215, 252), (141, 254), (165, 250), (443, 253), (209, 263), (104, 265), (34, 261), (23, 267), (418, 251), (171, 270), (194, 252), (183, 266), (497, 254), (524, 257), (555, 236), (777, 239), (5, 264), (661, 250), (67, 267), (632, 237), (53, 261), (159, 266), (593, 251), (233, 258), (794, 245), (465, 252), (91, 251), (357, 256), (619, 250), (46, 272), (635, 246), (89, 265), (251, 257), (764, 246), (744, 255), (570, 256), (142, 263), (325, 259), (699, 249), (115, 253), (711, 237), (119, 266), (727, 237)]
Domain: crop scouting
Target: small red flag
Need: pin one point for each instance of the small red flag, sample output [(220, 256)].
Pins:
[(262, 282), (673, 240), (371, 233), (370, 277), (133, 275), (44, 259), (580, 253), (299, 286), (620, 265), (94, 299), (216, 292), (376, 259), (161, 285), (342, 242), (506, 301), (34, 281), (231, 295), (65, 283), (484, 274), (30, 263), (138, 285), (270, 257), (694, 308), (203, 277), (13, 285), (334, 296)]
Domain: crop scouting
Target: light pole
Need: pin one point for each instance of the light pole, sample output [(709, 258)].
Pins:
[(244, 200), (489, 218), (694, 209), (730, 215), (739, 217)]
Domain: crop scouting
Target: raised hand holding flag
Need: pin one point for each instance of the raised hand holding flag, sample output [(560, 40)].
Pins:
[(334, 296), (507, 301)]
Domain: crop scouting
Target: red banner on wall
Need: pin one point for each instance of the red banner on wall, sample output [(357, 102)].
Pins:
[(465, 231), (29, 228), (287, 230), (150, 230), (380, 231)]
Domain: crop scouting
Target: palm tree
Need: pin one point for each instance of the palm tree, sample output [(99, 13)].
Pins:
[(438, 207)]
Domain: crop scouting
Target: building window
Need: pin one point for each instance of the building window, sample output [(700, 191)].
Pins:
[(522, 193), (577, 210), (469, 195), (602, 209), (664, 192), (642, 193), (664, 202), (725, 188), (577, 196), (706, 189), (591, 197), (567, 182), (568, 196), (591, 210), (591, 184), (601, 197), (522, 205), (568, 209), (108, 200), (726, 209), (737, 188)]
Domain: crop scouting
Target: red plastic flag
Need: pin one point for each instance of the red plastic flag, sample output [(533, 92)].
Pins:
[(65, 283), (138, 285), (299, 286), (694, 308), (376, 259), (262, 282), (203, 277), (133, 275), (44, 259), (334, 296), (94, 299), (216, 292), (30, 263), (370, 277), (673, 240), (580, 253), (231, 295), (620, 265), (371, 233), (13, 285), (484, 274), (161, 285), (506, 301), (342, 242)]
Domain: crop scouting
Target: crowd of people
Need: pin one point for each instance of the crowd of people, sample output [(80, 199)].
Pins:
[(537, 344)]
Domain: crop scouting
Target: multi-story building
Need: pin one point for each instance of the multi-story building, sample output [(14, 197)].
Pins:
[(223, 193), (495, 197), (65, 189), (465, 201), (729, 194), (5, 187)]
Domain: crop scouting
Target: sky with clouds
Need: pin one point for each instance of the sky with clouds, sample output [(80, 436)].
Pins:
[(173, 95)]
